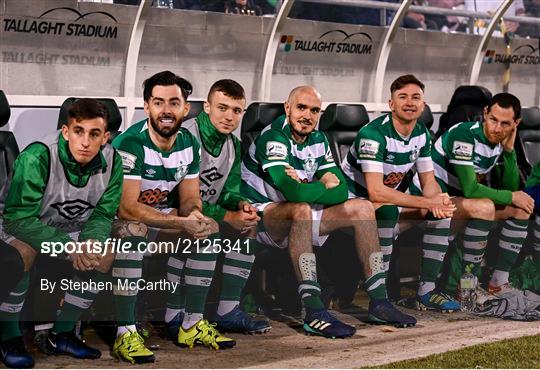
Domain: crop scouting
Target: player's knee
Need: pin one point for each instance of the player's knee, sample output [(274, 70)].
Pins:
[(482, 209), (301, 211), (11, 268), (125, 228), (359, 209)]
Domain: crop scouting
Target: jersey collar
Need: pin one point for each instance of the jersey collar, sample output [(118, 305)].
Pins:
[(211, 138)]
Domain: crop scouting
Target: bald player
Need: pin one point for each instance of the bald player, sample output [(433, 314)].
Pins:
[(291, 178)]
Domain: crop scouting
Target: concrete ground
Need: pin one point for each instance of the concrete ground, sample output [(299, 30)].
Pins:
[(285, 346)]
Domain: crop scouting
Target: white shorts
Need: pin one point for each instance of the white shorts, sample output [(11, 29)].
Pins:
[(317, 240)]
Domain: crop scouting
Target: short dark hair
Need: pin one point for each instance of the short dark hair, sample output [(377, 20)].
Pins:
[(166, 78), (506, 100), (88, 108), (228, 87), (404, 80)]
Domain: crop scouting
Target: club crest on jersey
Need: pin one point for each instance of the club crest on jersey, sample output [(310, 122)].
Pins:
[(128, 160), (310, 165), (414, 154), (276, 150), (368, 148), (181, 171), (462, 150)]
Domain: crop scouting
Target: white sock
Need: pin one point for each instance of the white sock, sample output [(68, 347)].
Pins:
[(499, 278), (226, 306), (170, 313), (124, 329), (425, 287), (191, 319)]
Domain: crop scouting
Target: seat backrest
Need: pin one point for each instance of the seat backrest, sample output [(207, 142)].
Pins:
[(115, 117), (528, 151), (257, 117), (467, 104), (340, 123), (9, 150), (196, 108)]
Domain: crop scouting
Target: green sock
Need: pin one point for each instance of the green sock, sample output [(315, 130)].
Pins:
[(176, 299), (435, 245), (236, 270), (76, 302), (10, 309), (375, 284), (198, 274), (513, 236), (127, 268), (387, 218), (310, 292), (536, 240), (475, 238)]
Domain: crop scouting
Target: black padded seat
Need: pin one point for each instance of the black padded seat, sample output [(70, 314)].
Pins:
[(467, 104), (115, 117), (340, 123), (529, 137), (196, 107), (257, 117)]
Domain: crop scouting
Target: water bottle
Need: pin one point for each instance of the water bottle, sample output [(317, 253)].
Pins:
[(467, 290)]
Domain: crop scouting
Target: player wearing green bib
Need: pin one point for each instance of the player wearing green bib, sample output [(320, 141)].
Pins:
[(222, 201), (383, 152), (161, 190), (66, 187), (464, 157), (290, 176)]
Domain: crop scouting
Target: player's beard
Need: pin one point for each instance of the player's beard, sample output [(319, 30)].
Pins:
[(301, 133), (166, 132)]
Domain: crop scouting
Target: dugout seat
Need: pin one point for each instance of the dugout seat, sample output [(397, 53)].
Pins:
[(9, 150), (340, 123), (257, 117), (528, 146), (466, 104), (115, 117), (196, 108)]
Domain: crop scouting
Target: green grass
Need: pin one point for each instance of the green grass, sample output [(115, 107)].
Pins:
[(511, 353)]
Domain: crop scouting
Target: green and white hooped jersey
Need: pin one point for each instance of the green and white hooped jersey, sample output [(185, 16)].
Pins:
[(65, 206), (160, 172), (378, 147), (464, 144), (276, 147)]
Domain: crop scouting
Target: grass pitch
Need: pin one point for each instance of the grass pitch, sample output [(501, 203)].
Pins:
[(511, 354)]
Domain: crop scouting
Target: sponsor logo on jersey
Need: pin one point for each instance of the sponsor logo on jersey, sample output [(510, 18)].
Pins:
[(328, 157), (153, 196), (368, 148), (390, 158), (72, 209), (150, 172), (128, 161), (393, 179), (181, 171), (276, 150), (210, 175), (462, 150)]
